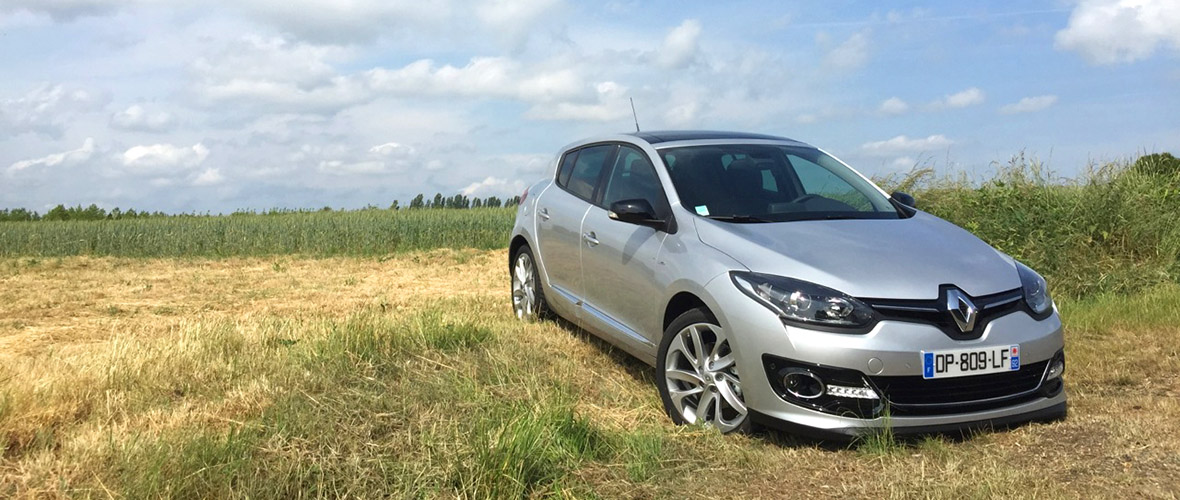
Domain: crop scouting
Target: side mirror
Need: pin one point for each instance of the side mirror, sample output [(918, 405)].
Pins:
[(905, 199), (636, 211)]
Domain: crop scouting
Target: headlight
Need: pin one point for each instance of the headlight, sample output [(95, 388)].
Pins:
[(804, 302), (1036, 291)]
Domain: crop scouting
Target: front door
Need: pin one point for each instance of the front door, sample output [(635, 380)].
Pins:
[(623, 280)]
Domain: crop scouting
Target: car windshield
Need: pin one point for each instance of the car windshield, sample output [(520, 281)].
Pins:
[(748, 183)]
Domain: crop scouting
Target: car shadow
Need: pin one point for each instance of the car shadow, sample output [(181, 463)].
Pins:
[(637, 369)]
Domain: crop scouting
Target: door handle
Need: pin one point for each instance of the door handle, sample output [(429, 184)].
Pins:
[(590, 238), (543, 213)]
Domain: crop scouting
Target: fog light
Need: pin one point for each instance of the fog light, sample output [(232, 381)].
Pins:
[(1056, 369), (841, 391), (803, 384)]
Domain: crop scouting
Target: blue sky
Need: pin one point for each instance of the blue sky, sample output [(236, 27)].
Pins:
[(215, 105)]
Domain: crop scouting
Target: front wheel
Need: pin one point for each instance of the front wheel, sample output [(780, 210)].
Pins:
[(697, 376), (528, 299)]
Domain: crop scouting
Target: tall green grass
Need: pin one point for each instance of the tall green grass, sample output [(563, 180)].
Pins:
[(1113, 228), (352, 233)]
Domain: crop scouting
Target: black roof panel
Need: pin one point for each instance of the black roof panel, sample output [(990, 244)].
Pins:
[(659, 136)]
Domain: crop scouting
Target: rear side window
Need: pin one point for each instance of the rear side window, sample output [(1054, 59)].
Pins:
[(567, 166), (587, 168)]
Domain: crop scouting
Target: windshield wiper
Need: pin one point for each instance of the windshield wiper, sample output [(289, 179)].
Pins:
[(737, 218)]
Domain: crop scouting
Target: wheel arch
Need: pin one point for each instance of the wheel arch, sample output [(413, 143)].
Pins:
[(681, 303), (517, 242)]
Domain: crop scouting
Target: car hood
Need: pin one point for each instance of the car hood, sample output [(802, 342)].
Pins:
[(869, 258)]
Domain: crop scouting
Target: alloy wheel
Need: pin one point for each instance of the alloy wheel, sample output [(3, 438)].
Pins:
[(524, 290), (702, 379)]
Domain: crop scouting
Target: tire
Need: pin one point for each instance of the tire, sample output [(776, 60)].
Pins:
[(528, 297), (686, 379)]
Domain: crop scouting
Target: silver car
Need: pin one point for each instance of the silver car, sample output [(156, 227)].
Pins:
[(770, 283)]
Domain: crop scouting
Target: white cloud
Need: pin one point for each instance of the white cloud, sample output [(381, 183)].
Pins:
[(902, 163), (1121, 31), (513, 20), (346, 22), (276, 74), (494, 186), (138, 118), (610, 105), (1029, 104), (67, 158), (482, 77), (164, 157), (44, 110), (894, 106), (681, 46), (903, 144), (851, 54), (391, 149), (209, 177), (966, 98), (62, 10), (366, 167)]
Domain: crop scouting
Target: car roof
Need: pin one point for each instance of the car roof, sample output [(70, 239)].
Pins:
[(658, 136), (674, 138)]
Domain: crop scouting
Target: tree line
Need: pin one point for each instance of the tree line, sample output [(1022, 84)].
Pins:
[(457, 201), (62, 212), (95, 212)]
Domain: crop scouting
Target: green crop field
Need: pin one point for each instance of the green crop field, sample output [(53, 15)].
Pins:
[(374, 354), (320, 234)]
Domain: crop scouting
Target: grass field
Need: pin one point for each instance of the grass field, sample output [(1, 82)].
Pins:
[(408, 377), (369, 232)]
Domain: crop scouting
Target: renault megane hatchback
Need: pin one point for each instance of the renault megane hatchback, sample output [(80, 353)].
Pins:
[(770, 283)]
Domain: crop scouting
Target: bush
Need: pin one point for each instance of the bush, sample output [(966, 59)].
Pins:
[(1114, 229), (1157, 164)]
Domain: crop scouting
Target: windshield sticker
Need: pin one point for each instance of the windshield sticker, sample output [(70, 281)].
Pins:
[(702, 210)]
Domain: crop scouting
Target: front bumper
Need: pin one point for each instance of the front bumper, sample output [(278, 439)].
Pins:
[(970, 422), (891, 349)]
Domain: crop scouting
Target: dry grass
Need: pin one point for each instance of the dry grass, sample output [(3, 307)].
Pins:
[(409, 377)]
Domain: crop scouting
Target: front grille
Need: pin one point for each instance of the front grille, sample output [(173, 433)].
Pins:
[(914, 395), (934, 312)]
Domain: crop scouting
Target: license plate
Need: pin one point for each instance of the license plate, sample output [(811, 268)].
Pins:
[(971, 361)]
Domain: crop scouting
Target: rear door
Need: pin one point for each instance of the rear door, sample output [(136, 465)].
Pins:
[(560, 212)]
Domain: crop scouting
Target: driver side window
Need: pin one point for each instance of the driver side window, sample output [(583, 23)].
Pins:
[(634, 177)]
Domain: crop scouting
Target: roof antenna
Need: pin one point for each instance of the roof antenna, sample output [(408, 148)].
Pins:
[(633, 115)]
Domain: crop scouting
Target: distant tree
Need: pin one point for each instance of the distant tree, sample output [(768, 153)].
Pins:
[(93, 212), (458, 201), (130, 213), (476, 203), (58, 213), (417, 202), (18, 215), (515, 200), (115, 214), (394, 206), (438, 201), (326, 209)]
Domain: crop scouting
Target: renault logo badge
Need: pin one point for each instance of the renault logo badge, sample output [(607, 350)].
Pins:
[(961, 309)]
